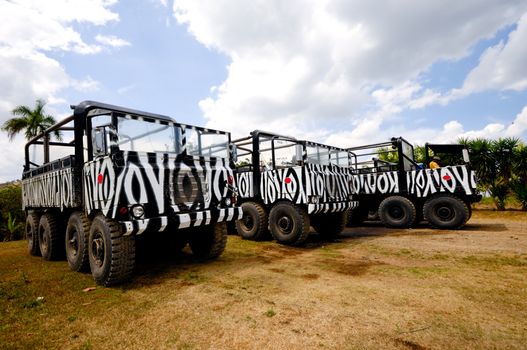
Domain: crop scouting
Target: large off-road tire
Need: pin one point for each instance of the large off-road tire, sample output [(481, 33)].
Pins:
[(329, 225), (446, 212), (76, 241), (31, 233), (111, 255), (253, 224), (397, 211), (50, 239), (357, 215), (208, 242), (289, 223)]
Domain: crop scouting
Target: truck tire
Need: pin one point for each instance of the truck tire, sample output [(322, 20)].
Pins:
[(329, 225), (357, 215), (111, 255), (397, 211), (209, 241), (446, 212), (76, 242), (50, 239), (31, 233), (253, 224), (289, 223)]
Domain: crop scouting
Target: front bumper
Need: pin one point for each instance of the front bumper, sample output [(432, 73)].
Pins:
[(335, 207), (181, 220)]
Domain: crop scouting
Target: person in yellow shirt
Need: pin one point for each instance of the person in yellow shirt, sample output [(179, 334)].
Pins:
[(434, 164)]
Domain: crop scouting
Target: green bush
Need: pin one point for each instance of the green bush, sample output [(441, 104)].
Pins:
[(12, 217)]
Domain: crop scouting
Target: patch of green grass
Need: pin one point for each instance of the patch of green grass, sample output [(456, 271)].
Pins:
[(329, 251), (270, 313), (86, 345), (195, 277), (496, 261), (426, 272)]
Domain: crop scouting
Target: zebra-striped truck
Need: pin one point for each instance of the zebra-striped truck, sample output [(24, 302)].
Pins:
[(286, 185), (393, 187), (116, 173)]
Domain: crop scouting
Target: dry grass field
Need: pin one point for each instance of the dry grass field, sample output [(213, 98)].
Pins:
[(372, 288)]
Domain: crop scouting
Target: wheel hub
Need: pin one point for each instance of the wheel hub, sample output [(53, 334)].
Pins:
[(74, 243), (284, 223), (444, 213), (248, 222), (98, 250), (396, 212)]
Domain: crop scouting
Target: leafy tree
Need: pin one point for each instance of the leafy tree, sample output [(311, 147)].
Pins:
[(519, 183), (419, 153), (482, 160), (503, 154), (11, 212), (31, 121)]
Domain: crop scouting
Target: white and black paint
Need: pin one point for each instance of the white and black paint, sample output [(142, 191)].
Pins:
[(55, 189), (176, 191), (331, 185), (419, 183)]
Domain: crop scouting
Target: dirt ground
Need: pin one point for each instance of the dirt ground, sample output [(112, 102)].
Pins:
[(371, 288)]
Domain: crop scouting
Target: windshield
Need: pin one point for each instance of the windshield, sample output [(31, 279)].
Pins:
[(340, 158), (144, 136), (207, 143), (138, 135), (319, 154), (408, 152)]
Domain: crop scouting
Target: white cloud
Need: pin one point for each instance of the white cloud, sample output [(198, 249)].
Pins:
[(30, 33), (502, 67), (112, 41), (519, 125), (304, 64), (369, 131), (86, 85)]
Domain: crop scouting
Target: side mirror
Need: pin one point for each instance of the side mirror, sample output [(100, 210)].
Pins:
[(299, 156), (99, 141), (233, 152), (466, 157)]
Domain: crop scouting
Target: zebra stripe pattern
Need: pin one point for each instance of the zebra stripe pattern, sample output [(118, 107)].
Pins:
[(188, 190), (329, 183), (421, 183), (181, 221), (56, 189)]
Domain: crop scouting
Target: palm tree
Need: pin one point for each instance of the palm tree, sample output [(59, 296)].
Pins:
[(482, 160), (33, 121), (519, 186), (503, 152)]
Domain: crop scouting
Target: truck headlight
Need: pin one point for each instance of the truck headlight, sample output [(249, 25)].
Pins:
[(314, 199), (138, 211)]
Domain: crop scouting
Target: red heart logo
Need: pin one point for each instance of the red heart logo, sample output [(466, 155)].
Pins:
[(447, 177), (287, 180), (99, 178)]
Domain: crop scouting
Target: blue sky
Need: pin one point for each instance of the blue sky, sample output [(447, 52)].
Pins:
[(343, 72)]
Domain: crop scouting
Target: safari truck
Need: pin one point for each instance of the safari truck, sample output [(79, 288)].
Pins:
[(287, 185), (391, 184), (116, 173)]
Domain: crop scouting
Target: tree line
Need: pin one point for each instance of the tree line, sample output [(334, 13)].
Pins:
[(501, 168)]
